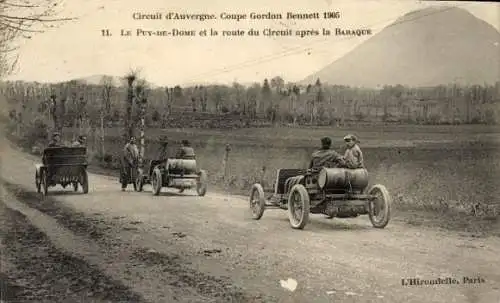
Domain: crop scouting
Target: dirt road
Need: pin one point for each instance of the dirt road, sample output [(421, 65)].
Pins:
[(185, 248)]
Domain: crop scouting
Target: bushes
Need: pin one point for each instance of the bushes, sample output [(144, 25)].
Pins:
[(35, 133)]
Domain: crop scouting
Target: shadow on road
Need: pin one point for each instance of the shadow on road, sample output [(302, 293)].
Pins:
[(319, 222)]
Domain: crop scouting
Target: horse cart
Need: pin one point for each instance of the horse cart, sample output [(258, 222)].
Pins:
[(181, 174), (335, 192), (64, 166)]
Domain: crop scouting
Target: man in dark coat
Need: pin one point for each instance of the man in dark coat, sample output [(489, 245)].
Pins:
[(56, 140), (325, 156), (129, 162), (186, 151)]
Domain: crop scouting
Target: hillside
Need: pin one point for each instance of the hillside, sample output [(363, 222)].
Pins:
[(427, 47)]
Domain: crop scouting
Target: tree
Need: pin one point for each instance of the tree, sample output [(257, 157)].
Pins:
[(107, 89), (278, 83), (130, 77), (20, 19)]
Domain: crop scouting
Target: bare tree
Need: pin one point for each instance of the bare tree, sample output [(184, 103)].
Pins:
[(107, 90), (21, 19), (131, 78)]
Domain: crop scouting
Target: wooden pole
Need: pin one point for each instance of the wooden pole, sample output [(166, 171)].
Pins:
[(225, 162)]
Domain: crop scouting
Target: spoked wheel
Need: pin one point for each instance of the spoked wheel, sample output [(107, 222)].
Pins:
[(156, 181), (75, 186), (85, 182), (380, 207), (201, 184), (45, 185), (298, 207), (38, 182), (257, 201), (139, 181)]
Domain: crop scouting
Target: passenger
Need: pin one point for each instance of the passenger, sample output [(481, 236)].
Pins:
[(129, 162), (80, 142), (186, 151), (56, 140), (353, 154), (325, 156)]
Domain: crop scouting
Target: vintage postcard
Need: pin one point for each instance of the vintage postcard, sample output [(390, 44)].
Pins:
[(249, 151)]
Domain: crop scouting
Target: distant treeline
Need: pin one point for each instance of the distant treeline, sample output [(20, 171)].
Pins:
[(273, 101)]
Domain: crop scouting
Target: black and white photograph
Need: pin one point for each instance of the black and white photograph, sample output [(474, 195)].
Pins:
[(230, 151)]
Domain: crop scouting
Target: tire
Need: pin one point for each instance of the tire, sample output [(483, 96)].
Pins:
[(85, 182), (156, 181), (298, 197), (75, 186), (202, 184), (257, 201), (380, 218), (45, 185), (38, 182)]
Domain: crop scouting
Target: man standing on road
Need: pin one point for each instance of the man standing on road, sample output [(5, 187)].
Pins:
[(325, 156), (129, 162), (186, 151)]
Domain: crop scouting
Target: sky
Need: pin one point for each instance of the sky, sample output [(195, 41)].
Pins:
[(77, 48)]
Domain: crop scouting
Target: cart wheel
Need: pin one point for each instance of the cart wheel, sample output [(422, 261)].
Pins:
[(201, 184), (298, 207), (45, 185), (85, 182), (156, 181), (257, 201), (38, 182), (380, 208), (139, 183)]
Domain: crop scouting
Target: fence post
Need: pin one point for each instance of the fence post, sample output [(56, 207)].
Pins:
[(225, 162)]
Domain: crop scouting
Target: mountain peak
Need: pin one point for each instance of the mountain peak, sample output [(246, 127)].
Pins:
[(430, 46)]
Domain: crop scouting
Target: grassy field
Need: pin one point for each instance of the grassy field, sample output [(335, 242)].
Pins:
[(424, 167)]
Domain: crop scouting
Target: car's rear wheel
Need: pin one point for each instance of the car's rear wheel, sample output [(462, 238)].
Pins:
[(379, 208), (38, 182), (156, 181), (202, 184), (298, 207), (257, 201), (45, 185)]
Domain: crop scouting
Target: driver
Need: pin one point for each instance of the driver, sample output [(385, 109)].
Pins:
[(56, 140), (325, 156)]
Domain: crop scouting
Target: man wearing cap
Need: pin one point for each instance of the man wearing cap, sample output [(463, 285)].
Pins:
[(325, 156), (186, 151), (56, 140), (80, 142), (353, 154), (129, 163)]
